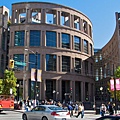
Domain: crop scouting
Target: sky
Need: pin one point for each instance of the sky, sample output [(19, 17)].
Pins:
[(100, 12)]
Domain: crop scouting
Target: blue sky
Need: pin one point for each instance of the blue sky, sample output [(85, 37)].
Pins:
[(100, 12)]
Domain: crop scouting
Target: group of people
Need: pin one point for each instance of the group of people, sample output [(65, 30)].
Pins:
[(78, 108), (110, 108)]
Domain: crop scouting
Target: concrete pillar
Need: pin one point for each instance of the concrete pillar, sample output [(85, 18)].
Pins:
[(89, 91), (73, 90), (71, 42), (72, 21), (59, 18), (29, 16), (60, 57), (43, 16), (81, 24), (60, 89), (43, 89), (13, 16), (70, 25), (82, 91), (57, 90), (57, 64)]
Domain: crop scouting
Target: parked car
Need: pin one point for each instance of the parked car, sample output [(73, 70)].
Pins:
[(109, 117), (46, 112)]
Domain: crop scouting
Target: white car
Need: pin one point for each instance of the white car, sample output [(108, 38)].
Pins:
[(46, 112)]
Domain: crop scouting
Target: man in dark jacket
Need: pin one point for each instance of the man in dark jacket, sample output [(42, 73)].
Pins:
[(110, 109)]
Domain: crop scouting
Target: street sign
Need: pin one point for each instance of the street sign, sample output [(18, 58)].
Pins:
[(20, 63)]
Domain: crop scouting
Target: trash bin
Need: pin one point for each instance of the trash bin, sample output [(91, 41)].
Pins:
[(97, 110)]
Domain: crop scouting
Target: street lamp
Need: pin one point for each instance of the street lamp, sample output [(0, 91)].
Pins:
[(17, 92), (101, 88), (36, 63)]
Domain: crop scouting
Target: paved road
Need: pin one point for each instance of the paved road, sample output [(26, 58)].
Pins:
[(12, 115)]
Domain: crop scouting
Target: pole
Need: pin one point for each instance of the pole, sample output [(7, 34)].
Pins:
[(36, 60), (114, 90), (115, 95)]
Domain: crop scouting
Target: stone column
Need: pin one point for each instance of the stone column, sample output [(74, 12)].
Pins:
[(59, 18), (43, 16), (43, 89), (82, 91)]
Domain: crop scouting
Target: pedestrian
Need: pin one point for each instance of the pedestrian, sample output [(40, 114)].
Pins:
[(76, 108), (102, 109), (110, 109), (70, 108), (20, 104), (80, 110)]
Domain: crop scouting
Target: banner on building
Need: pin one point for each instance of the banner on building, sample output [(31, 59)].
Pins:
[(39, 73), (117, 81), (33, 74)]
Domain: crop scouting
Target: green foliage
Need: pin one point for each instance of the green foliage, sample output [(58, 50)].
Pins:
[(1, 86), (117, 75), (9, 82), (117, 72), (9, 22)]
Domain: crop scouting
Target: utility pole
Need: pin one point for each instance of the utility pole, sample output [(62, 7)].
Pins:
[(114, 90), (36, 62)]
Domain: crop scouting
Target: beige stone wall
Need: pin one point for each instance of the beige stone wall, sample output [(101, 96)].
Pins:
[(18, 8)]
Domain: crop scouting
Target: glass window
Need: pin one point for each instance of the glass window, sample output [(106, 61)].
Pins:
[(32, 61), (19, 38), (34, 38), (50, 39), (97, 78), (85, 46), (91, 49), (18, 58), (65, 64), (50, 62), (65, 40), (77, 65), (77, 43)]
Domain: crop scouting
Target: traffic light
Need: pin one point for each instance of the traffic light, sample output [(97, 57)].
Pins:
[(11, 64)]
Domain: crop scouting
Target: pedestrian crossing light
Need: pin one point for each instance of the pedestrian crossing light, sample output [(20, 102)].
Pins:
[(11, 64)]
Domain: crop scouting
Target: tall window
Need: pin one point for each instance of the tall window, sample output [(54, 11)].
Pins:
[(34, 38), (96, 77), (19, 38), (91, 49), (65, 64), (77, 43), (32, 61), (50, 39), (65, 40), (18, 58), (77, 65), (50, 62), (85, 46)]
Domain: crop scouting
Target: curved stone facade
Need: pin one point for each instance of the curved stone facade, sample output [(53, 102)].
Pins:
[(62, 38)]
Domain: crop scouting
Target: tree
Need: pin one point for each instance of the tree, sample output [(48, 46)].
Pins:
[(1, 86), (117, 75), (9, 82)]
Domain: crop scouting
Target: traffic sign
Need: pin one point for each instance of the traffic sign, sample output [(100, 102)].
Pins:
[(20, 63)]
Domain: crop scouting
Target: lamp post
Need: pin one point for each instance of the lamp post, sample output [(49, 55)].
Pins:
[(36, 63), (101, 89), (17, 92)]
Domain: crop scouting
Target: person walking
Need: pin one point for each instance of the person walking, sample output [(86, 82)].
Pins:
[(102, 109), (70, 108), (110, 109), (80, 110)]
